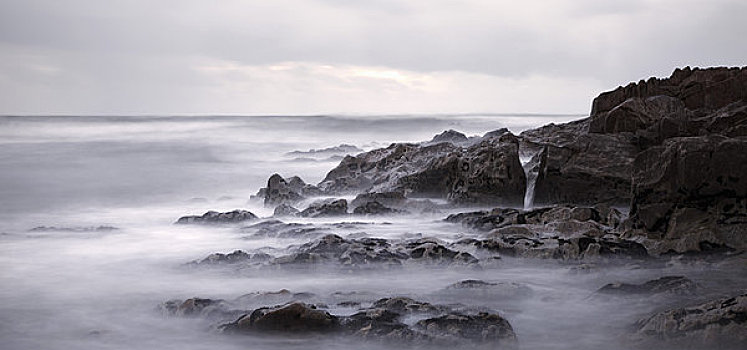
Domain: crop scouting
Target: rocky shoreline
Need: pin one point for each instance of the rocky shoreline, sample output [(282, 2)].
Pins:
[(658, 171)]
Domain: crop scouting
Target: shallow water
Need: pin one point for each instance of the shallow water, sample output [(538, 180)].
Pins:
[(82, 288)]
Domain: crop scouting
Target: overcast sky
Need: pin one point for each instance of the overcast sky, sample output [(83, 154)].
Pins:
[(347, 56)]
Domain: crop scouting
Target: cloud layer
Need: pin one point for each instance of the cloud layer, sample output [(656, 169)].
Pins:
[(338, 56)]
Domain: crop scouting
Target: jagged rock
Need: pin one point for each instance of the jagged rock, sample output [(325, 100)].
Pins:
[(214, 217), (375, 208), (580, 168), (435, 253), (503, 217), (486, 172), (718, 324), (690, 194), (278, 229), (234, 257), (390, 199), (337, 207), (287, 191), (450, 135), (709, 89), (285, 210), (668, 284)]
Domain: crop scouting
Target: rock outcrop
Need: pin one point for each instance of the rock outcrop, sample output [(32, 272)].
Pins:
[(719, 324), (690, 194), (214, 217), (486, 172), (338, 207)]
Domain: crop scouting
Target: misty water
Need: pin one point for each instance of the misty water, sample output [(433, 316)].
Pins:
[(78, 284)]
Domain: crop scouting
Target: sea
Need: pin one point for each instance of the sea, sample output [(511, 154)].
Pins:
[(89, 248)]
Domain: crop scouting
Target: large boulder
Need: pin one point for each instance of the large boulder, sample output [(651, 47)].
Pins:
[(690, 194)]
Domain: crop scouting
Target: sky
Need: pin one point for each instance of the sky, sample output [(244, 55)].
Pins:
[(90, 57)]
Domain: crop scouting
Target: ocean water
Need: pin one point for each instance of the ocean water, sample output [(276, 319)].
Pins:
[(78, 287)]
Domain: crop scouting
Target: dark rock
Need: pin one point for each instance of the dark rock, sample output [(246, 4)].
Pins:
[(214, 217), (451, 136), (278, 229), (487, 172), (285, 210), (390, 199), (287, 191), (669, 284), (403, 305), (690, 194), (718, 324), (480, 328), (375, 208), (237, 256), (580, 168), (291, 318), (337, 207), (214, 309)]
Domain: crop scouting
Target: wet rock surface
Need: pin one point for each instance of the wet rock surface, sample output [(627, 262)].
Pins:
[(338, 207), (383, 321), (488, 171), (718, 324), (214, 217), (668, 284)]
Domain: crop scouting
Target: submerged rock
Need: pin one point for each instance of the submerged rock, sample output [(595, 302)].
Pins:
[(214, 217), (669, 284), (718, 324)]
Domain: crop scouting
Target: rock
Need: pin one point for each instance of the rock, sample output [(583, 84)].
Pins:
[(669, 284), (341, 150), (291, 318), (709, 89), (690, 195), (285, 210), (479, 288), (580, 168), (214, 309), (435, 253), (375, 208), (237, 256), (480, 328), (486, 172), (290, 191), (718, 324), (389, 199), (337, 207), (214, 217), (278, 229), (450, 135), (403, 305), (590, 161)]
